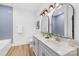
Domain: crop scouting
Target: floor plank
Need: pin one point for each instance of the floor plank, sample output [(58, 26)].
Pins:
[(23, 50)]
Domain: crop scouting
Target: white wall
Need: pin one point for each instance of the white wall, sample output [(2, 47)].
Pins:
[(26, 20), (76, 20)]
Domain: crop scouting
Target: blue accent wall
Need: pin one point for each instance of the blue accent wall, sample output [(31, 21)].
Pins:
[(6, 22)]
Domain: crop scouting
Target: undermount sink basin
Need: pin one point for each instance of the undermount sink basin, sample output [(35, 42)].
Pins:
[(53, 42), (61, 43)]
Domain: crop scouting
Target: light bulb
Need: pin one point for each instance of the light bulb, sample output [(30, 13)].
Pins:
[(57, 5), (51, 7)]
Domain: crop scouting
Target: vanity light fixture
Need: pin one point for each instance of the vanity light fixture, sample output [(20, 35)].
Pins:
[(42, 14), (56, 5), (51, 7), (59, 6), (45, 11)]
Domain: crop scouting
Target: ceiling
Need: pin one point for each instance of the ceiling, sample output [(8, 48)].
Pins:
[(30, 7)]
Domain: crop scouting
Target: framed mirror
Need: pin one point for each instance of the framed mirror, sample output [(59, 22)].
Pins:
[(62, 21), (44, 24)]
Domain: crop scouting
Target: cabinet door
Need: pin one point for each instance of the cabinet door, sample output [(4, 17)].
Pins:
[(35, 45), (43, 51)]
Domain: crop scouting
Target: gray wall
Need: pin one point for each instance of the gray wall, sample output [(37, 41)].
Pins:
[(6, 22)]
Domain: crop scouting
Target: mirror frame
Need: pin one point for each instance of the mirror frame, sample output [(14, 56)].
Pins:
[(72, 21)]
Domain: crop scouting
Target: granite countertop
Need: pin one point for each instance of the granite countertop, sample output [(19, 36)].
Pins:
[(62, 48)]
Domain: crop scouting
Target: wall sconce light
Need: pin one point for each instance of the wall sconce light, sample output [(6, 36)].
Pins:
[(57, 5), (42, 14), (45, 11), (54, 5), (51, 7)]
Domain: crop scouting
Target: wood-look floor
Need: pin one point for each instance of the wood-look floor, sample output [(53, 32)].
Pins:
[(23, 50)]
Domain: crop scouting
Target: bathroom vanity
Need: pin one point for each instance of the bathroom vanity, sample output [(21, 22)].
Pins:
[(51, 47), (60, 22)]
